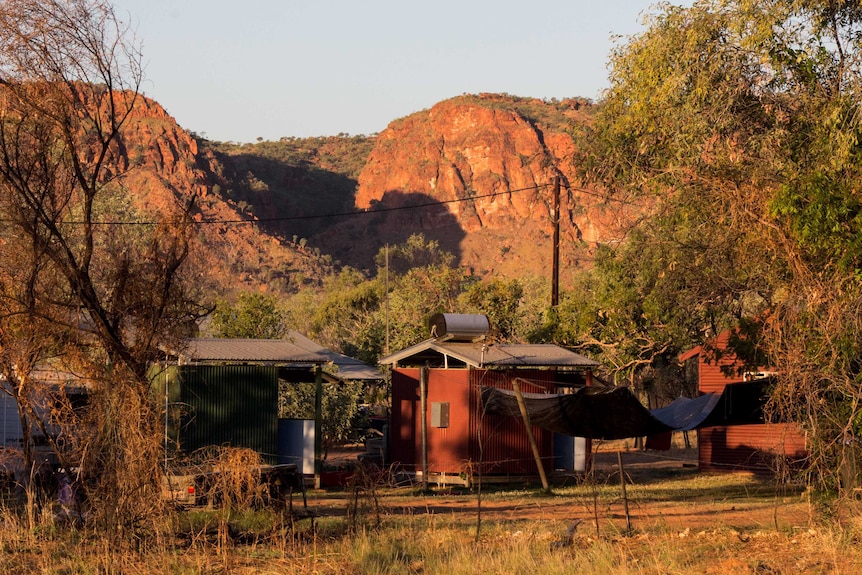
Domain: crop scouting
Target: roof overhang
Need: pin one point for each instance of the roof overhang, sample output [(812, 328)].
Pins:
[(294, 351), (439, 353), (249, 351)]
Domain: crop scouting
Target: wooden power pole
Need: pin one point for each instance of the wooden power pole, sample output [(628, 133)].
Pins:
[(555, 266)]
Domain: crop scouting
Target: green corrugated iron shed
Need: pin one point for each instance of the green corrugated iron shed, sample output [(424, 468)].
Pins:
[(294, 350), (222, 405), (224, 392)]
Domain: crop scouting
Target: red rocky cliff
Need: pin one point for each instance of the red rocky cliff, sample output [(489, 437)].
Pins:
[(162, 168), (487, 147)]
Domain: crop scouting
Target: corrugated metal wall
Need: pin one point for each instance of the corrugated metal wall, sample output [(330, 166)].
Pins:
[(499, 443), (448, 447), (710, 377), (741, 447), (233, 406), (10, 424), (748, 447), (11, 434), (404, 430)]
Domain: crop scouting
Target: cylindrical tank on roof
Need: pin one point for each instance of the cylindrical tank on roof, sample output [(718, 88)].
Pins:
[(459, 326)]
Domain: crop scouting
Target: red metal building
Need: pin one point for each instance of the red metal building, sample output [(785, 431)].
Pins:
[(461, 439), (751, 447)]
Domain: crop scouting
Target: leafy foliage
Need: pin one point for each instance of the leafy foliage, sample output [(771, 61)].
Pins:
[(259, 316), (500, 300), (739, 121), (348, 315), (253, 315), (343, 419), (352, 313)]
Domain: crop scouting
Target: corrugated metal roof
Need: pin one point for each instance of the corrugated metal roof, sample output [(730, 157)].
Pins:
[(293, 349), (348, 368), (491, 354), (202, 350)]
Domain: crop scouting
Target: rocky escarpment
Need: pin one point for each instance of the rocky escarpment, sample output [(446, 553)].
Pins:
[(488, 161), (158, 159), (163, 168), (473, 173)]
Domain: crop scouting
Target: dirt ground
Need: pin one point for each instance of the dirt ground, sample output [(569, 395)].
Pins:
[(684, 511)]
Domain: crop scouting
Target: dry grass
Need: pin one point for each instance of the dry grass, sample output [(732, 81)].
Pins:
[(683, 523)]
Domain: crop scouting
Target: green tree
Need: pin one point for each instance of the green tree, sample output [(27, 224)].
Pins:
[(350, 316), (343, 421), (253, 315), (421, 292), (737, 123), (350, 313), (415, 252), (256, 315), (500, 300)]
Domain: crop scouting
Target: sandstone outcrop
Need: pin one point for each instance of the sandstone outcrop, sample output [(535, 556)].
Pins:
[(475, 172), (489, 161), (163, 168)]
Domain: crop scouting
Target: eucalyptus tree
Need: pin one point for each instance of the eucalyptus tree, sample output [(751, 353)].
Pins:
[(737, 122), (253, 315), (99, 295)]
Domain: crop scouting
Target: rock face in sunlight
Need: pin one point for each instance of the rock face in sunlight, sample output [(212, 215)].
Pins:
[(460, 149), (161, 166), (477, 172), (160, 158), (492, 159)]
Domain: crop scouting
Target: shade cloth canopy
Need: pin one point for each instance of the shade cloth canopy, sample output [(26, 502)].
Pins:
[(615, 412)]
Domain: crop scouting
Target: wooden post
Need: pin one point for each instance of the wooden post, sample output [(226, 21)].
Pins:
[(423, 425), (625, 495), (555, 265), (318, 425), (533, 445)]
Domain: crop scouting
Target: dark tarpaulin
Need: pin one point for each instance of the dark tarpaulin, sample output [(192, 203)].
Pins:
[(615, 413)]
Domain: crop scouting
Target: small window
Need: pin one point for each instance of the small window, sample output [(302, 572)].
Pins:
[(439, 414)]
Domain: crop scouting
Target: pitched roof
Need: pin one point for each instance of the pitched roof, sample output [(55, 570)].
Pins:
[(347, 367), (695, 351), (295, 349), (437, 351), (273, 351)]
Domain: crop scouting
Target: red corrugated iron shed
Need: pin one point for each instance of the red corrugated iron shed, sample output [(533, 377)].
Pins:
[(468, 441), (751, 447)]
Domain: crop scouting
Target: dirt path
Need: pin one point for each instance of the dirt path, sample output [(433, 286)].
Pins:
[(680, 511)]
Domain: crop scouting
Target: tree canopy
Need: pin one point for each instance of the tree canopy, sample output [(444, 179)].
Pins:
[(738, 123), (253, 315)]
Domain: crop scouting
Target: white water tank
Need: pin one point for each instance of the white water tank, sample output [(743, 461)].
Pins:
[(459, 326)]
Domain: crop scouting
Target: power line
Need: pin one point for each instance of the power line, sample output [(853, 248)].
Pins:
[(375, 210), (310, 217), (583, 191), (333, 215)]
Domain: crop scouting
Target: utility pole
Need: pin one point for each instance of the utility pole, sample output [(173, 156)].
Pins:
[(555, 266), (386, 300)]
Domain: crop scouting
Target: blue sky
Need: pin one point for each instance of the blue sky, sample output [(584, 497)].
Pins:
[(236, 71)]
